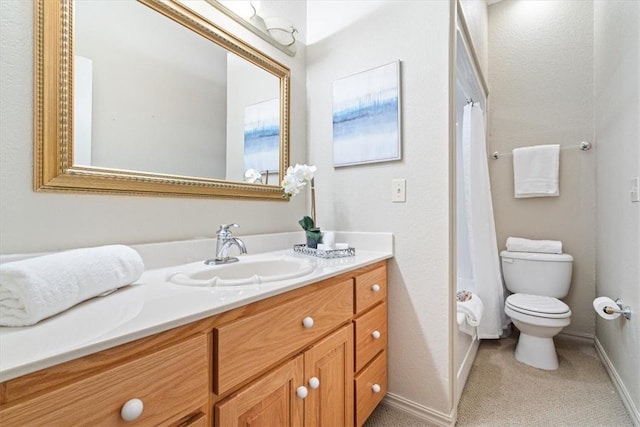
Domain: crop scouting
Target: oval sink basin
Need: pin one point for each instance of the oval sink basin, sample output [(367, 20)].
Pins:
[(245, 272)]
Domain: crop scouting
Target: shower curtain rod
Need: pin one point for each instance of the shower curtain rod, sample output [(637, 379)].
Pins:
[(584, 146)]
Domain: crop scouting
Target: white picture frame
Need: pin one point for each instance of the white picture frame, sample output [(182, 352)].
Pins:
[(366, 117)]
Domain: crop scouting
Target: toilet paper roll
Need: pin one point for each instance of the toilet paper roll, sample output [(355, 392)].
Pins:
[(599, 305)]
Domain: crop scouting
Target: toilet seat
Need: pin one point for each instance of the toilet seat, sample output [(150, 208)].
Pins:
[(538, 306)]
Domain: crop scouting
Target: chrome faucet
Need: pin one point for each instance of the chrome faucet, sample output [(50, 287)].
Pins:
[(224, 243)]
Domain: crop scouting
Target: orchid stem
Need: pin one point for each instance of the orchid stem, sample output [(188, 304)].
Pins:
[(313, 202)]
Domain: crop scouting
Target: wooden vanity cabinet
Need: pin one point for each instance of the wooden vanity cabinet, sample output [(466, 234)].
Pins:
[(249, 345), (269, 401), (370, 321), (313, 389), (168, 382), (247, 366)]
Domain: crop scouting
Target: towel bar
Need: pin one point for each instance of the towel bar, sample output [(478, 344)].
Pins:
[(584, 146)]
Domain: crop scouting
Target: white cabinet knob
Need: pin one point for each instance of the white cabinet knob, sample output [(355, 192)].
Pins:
[(375, 288), (375, 335), (307, 322), (302, 392), (376, 388), (314, 382), (132, 410)]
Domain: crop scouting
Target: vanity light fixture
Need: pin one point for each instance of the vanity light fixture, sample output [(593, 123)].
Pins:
[(281, 30), (276, 30)]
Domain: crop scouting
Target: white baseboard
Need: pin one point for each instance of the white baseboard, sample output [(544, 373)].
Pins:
[(627, 401), (587, 338), (419, 411)]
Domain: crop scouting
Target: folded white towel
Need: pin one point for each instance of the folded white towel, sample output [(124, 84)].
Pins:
[(518, 244), (536, 171), (472, 310), (37, 288)]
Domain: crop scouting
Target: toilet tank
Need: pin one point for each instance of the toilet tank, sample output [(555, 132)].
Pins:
[(537, 274)]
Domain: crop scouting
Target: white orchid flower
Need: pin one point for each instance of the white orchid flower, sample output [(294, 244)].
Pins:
[(252, 176), (296, 178), (291, 185), (308, 172), (304, 172)]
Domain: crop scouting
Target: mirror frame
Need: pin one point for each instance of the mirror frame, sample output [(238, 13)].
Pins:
[(53, 113)]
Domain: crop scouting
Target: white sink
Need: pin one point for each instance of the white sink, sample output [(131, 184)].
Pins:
[(245, 272)]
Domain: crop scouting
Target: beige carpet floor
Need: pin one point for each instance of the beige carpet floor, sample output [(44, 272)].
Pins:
[(501, 391)]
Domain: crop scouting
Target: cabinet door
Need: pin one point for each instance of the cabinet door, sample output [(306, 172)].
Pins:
[(328, 367), (269, 401), (171, 384)]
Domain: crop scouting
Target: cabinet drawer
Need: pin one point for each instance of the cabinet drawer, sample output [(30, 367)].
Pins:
[(248, 346), (371, 335), (171, 383), (371, 287), (367, 394)]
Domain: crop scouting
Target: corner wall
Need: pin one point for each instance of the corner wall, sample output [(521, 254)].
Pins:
[(541, 92), (347, 37), (476, 16), (617, 128)]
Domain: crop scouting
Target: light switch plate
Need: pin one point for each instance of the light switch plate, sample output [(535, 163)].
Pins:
[(399, 190), (634, 189)]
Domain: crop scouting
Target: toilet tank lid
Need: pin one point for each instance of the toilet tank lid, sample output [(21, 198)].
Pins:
[(534, 256)]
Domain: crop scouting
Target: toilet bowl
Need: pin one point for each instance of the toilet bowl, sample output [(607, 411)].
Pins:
[(537, 281), (539, 319)]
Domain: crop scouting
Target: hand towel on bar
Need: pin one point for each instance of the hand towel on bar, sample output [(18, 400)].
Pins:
[(518, 244), (472, 309), (37, 288), (536, 171)]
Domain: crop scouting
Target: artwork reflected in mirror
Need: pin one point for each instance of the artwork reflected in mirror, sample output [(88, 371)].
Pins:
[(164, 103), (261, 135)]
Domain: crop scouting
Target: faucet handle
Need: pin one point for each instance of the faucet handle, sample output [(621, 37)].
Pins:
[(225, 227)]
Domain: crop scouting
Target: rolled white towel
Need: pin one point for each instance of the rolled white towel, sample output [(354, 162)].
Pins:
[(37, 288), (472, 309), (518, 244)]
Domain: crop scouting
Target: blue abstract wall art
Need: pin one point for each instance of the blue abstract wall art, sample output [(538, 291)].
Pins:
[(262, 136), (366, 116)]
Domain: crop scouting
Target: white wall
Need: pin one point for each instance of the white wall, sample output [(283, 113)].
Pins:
[(32, 222), (476, 15), (617, 128), (346, 37), (541, 92)]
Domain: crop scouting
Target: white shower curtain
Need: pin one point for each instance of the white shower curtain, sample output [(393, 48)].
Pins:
[(483, 249)]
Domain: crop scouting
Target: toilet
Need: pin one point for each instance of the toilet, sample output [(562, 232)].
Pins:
[(536, 281)]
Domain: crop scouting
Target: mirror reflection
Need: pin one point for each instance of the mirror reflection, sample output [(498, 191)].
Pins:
[(154, 96)]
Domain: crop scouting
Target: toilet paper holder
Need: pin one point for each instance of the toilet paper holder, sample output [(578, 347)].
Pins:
[(625, 310)]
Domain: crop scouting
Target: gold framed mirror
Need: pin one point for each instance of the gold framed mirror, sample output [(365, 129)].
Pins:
[(145, 145)]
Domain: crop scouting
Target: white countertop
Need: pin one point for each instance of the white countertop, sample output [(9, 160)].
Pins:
[(149, 306)]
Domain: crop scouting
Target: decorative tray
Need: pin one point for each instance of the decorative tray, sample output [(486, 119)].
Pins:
[(320, 253)]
